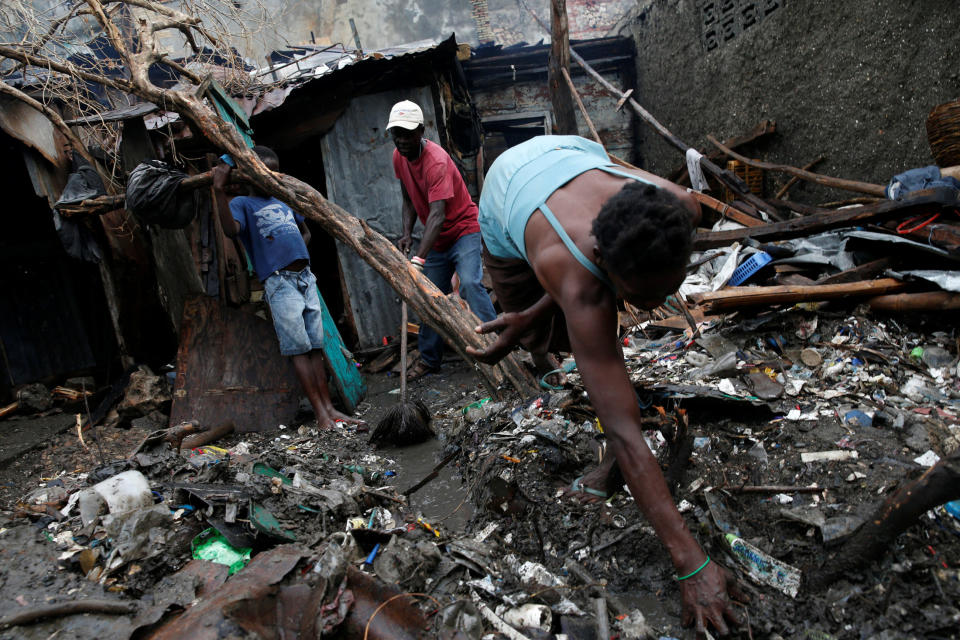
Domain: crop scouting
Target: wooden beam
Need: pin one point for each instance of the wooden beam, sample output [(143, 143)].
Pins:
[(726, 210), (738, 297), (929, 301), (583, 109), (928, 200), (782, 193), (564, 118), (827, 181)]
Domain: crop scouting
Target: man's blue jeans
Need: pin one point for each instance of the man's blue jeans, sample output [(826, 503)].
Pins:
[(464, 258)]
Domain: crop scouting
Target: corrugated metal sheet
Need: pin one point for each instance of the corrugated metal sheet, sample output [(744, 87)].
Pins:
[(32, 128), (357, 160)]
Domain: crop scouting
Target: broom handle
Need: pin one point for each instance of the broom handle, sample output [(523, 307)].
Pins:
[(403, 352)]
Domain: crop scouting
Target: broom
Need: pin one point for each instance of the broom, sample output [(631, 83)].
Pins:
[(405, 423)]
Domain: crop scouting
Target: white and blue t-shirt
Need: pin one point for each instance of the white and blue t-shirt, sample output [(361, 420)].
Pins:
[(269, 231)]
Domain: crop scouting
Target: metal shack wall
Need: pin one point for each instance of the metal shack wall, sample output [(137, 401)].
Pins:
[(357, 154), (615, 127)]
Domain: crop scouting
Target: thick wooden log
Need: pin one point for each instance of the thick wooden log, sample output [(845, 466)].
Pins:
[(929, 301), (923, 201), (739, 297), (564, 118), (827, 181), (938, 485)]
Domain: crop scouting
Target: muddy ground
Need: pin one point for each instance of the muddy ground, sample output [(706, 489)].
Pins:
[(516, 456)]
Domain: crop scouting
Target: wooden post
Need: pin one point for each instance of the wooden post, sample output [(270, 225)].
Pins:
[(583, 109), (564, 118), (739, 297)]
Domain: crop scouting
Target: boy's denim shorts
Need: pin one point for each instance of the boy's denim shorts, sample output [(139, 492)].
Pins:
[(295, 307)]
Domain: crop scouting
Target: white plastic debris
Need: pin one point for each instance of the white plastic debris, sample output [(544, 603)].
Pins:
[(828, 456), (535, 616), (764, 568), (928, 459)]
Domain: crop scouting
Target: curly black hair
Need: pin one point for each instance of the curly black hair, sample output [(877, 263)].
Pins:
[(643, 229)]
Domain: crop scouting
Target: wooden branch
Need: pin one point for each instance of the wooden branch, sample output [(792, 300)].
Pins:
[(827, 181), (792, 181), (923, 201), (738, 297), (930, 301), (10, 408), (33, 614), (785, 488), (938, 485), (761, 130), (583, 109), (564, 118), (71, 70), (728, 178)]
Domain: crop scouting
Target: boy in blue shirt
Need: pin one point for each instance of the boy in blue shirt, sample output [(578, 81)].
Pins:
[(276, 240)]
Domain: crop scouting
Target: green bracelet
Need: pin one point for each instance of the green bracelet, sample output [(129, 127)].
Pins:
[(678, 578)]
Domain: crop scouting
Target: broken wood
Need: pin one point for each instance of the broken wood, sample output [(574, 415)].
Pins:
[(207, 436), (564, 118), (938, 484), (782, 488), (726, 210), (793, 180), (34, 614), (930, 301), (925, 201), (865, 271), (728, 178), (761, 130), (433, 474), (583, 109), (10, 408), (827, 181), (738, 297)]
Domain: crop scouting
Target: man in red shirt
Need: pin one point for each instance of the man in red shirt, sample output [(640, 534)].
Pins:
[(433, 191)]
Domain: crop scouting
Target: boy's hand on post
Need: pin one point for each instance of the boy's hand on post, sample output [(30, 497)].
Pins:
[(221, 176)]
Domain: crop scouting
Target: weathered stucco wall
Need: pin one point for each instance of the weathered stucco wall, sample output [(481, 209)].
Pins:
[(852, 81)]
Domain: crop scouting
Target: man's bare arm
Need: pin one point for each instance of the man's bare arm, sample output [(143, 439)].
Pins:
[(431, 230), (408, 216)]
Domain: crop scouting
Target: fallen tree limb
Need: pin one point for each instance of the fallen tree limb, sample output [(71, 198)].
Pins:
[(206, 436), (827, 181), (938, 485), (929, 301), (781, 488), (35, 614), (738, 297), (728, 178), (923, 201)]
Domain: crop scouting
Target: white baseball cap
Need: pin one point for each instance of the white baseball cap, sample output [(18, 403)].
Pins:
[(406, 114)]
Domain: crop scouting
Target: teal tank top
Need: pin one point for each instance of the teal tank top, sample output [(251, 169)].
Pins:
[(522, 178)]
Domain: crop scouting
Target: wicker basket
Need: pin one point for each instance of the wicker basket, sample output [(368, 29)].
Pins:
[(943, 133)]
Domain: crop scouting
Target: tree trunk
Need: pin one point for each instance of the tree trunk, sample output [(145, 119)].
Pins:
[(564, 118)]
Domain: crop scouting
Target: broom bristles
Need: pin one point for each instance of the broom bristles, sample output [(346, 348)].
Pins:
[(405, 423)]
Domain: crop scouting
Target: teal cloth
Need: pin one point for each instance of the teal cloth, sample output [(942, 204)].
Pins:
[(520, 181)]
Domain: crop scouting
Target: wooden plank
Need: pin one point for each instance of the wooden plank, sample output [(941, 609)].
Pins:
[(343, 372), (929, 301), (929, 200), (230, 368), (865, 271), (761, 130), (737, 297), (726, 210)]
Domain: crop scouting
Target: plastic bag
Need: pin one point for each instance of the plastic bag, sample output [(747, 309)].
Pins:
[(152, 196)]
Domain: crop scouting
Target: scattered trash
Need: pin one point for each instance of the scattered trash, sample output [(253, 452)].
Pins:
[(210, 545), (763, 568)]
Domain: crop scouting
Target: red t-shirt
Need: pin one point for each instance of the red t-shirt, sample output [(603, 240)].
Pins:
[(434, 177)]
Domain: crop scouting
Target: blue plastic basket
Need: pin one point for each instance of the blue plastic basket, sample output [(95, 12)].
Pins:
[(749, 267)]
